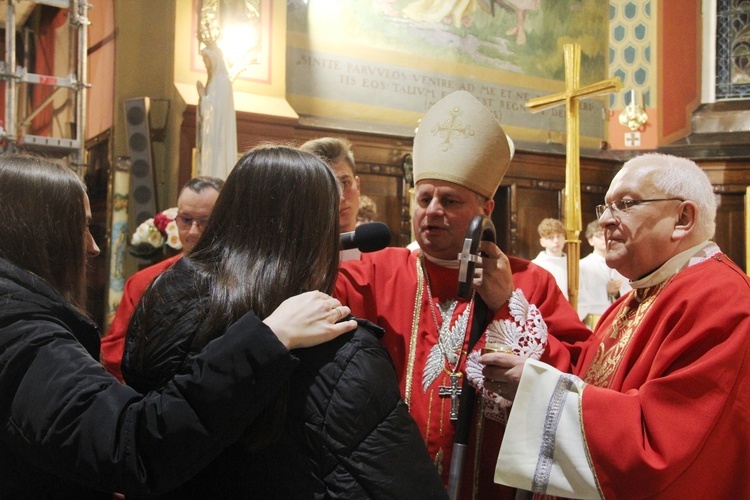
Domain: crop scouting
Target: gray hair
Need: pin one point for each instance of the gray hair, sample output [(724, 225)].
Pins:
[(681, 178)]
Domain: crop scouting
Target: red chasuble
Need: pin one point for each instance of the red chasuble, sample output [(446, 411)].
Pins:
[(382, 287), (676, 356), (113, 343)]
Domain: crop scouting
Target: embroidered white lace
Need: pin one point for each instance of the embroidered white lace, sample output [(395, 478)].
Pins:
[(526, 332)]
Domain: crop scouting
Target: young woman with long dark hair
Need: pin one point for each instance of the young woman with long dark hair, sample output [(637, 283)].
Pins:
[(340, 428), (68, 429)]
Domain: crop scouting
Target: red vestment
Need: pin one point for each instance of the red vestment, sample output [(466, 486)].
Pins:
[(674, 419), (382, 287), (113, 343)]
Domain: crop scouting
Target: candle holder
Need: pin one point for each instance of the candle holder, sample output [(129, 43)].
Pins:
[(633, 116)]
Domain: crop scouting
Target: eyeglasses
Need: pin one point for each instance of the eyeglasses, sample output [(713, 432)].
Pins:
[(185, 223), (621, 206)]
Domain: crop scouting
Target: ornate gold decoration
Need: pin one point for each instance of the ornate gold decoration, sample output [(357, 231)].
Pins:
[(452, 128), (439, 457), (607, 359), (414, 334)]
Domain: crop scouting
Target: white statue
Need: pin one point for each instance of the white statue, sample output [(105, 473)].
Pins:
[(217, 124)]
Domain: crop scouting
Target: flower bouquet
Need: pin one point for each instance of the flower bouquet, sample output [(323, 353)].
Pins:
[(156, 234)]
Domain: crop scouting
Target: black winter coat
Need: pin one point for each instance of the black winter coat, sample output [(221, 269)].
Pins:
[(346, 431), (70, 430)]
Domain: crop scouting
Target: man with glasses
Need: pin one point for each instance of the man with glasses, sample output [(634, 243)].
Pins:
[(656, 405), (194, 205)]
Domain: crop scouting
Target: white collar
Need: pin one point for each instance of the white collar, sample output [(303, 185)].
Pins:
[(450, 264), (689, 257)]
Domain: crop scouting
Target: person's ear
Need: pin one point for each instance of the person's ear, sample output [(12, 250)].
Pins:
[(488, 206), (686, 220)]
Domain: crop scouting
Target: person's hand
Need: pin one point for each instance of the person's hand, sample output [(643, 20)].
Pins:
[(493, 278), (502, 373), (309, 319)]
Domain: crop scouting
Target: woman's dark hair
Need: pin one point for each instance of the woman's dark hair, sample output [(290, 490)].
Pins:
[(273, 233), (43, 221)]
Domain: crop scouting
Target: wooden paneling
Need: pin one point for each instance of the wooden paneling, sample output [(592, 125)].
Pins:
[(533, 190), (730, 226), (534, 204), (730, 179)]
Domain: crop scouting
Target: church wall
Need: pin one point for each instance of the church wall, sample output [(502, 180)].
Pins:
[(679, 71), (655, 48), (364, 65), (634, 57), (144, 58), (532, 190), (101, 61)]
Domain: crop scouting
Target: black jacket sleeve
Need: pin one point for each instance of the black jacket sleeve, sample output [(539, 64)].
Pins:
[(62, 412), (386, 455), (373, 447)]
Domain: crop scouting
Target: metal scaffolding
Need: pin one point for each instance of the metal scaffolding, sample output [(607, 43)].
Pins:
[(13, 134)]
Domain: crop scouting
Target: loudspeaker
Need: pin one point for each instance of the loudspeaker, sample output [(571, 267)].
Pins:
[(142, 191)]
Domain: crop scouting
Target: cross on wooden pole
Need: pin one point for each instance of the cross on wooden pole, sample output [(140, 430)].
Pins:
[(573, 93)]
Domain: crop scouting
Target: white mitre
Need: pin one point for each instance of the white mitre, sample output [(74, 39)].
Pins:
[(460, 141)]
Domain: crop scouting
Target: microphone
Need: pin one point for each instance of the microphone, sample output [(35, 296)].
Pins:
[(367, 237)]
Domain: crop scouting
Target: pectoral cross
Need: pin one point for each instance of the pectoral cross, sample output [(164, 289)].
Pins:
[(454, 391), (573, 93)]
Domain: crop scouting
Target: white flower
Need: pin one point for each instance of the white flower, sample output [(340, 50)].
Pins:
[(143, 232), (157, 232), (170, 213), (155, 238), (173, 234)]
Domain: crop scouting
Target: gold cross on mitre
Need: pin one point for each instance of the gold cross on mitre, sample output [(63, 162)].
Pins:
[(452, 128), (573, 93)]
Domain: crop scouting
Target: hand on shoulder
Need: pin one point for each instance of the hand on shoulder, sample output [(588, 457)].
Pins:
[(309, 319)]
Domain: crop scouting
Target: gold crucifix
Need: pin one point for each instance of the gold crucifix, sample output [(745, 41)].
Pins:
[(573, 93)]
